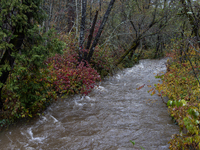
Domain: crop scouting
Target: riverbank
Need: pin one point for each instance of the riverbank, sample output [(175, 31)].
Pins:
[(107, 118), (181, 85), (27, 95)]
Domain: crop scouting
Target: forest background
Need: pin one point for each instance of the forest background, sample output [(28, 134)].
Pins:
[(56, 48)]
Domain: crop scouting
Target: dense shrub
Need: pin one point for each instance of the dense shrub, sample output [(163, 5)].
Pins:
[(103, 61), (181, 86), (68, 76), (25, 93)]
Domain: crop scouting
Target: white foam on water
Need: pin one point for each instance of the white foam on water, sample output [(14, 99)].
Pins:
[(55, 120), (82, 98), (141, 66), (165, 147), (44, 118), (30, 148), (130, 70), (65, 139), (77, 104), (38, 139), (90, 99), (101, 88), (58, 123), (22, 133), (118, 77), (87, 97)]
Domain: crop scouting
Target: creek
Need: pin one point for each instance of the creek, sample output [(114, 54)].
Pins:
[(107, 119)]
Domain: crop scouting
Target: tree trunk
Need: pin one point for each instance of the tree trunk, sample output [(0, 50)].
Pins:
[(91, 34), (70, 15), (17, 42), (77, 17), (157, 47), (131, 49), (82, 30), (96, 40)]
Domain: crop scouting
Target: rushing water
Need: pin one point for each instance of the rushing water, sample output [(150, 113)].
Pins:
[(107, 119)]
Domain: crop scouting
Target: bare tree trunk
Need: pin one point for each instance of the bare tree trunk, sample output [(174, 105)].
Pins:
[(90, 11), (96, 40), (70, 15), (157, 47), (131, 49), (82, 30), (99, 5), (91, 31), (76, 18), (91, 35)]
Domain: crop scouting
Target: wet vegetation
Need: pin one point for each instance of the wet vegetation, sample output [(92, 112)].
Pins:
[(51, 49), (181, 85)]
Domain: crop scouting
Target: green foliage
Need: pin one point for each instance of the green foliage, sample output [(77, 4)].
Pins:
[(128, 63), (103, 61), (133, 142), (176, 103), (181, 86), (25, 93)]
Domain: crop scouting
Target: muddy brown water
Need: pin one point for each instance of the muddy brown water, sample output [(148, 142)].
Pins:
[(107, 119)]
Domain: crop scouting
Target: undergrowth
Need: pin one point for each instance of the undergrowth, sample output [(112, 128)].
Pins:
[(32, 87), (180, 84)]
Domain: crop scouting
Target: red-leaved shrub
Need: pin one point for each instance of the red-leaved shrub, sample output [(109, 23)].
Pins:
[(68, 76)]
